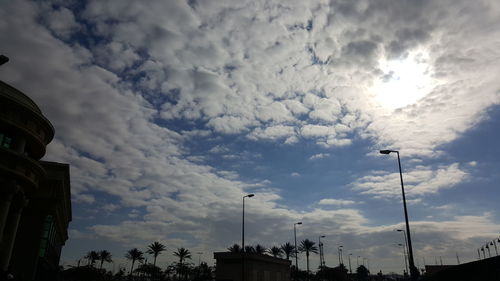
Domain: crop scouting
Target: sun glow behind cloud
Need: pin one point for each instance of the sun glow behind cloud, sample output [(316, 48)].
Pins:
[(404, 81)]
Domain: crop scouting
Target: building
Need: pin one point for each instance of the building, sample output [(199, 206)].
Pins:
[(484, 270), (35, 201), (257, 267)]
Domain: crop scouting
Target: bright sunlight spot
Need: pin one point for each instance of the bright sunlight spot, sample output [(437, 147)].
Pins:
[(404, 81)]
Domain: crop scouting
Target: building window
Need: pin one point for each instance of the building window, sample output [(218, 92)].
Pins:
[(5, 141), (47, 228)]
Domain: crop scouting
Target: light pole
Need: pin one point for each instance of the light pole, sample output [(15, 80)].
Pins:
[(405, 247), (296, 252), (199, 258), (340, 254), (243, 238), (404, 256), (357, 262), (321, 259), (488, 247), (413, 270), (350, 269)]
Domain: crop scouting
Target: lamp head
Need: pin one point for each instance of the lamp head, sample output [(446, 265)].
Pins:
[(250, 195), (322, 236), (299, 222), (385, 151), (399, 230)]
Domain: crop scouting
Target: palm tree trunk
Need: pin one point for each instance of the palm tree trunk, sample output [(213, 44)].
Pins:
[(102, 261), (154, 261), (131, 267), (307, 256)]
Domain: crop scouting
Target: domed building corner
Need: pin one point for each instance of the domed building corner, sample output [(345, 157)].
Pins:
[(35, 195)]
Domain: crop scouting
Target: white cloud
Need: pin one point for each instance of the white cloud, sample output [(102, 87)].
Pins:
[(336, 202), (319, 156), (418, 182)]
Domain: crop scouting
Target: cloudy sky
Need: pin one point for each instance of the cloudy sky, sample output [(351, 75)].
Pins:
[(170, 111)]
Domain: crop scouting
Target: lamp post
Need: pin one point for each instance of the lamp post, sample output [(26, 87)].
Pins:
[(340, 254), (321, 258), (199, 258), (296, 252), (404, 256), (405, 247), (243, 238), (350, 269), (495, 244), (357, 262), (413, 270)]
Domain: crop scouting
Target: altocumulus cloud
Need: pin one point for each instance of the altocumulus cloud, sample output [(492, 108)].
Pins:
[(130, 86)]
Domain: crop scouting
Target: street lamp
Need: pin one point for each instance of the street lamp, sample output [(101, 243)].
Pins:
[(296, 252), (350, 269), (404, 256), (243, 238), (495, 244), (357, 261), (321, 259), (199, 258), (340, 254), (405, 247), (413, 270)]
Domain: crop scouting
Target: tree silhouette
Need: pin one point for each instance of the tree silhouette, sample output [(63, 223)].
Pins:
[(134, 255), (288, 249), (104, 256), (234, 249), (307, 246), (92, 257), (155, 249), (249, 249), (362, 273), (275, 251), (259, 249), (182, 254)]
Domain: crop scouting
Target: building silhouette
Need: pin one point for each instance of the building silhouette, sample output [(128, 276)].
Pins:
[(35, 200), (257, 267)]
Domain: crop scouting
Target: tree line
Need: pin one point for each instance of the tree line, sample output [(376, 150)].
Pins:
[(180, 270)]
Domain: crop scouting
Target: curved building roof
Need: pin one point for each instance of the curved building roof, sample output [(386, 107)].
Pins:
[(18, 96)]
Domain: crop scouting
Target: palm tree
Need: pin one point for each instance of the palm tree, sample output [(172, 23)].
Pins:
[(155, 249), (104, 256), (249, 249), (307, 246), (276, 252), (234, 249), (259, 249), (289, 250), (182, 254), (134, 255), (91, 257)]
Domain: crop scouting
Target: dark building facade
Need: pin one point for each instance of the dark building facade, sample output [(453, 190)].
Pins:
[(35, 200), (257, 267)]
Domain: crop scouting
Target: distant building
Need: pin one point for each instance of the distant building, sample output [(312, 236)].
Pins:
[(483, 270), (257, 267), (35, 201)]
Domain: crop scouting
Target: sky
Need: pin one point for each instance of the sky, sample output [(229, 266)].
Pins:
[(169, 112)]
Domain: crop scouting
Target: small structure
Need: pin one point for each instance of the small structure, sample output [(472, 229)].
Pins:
[(257, 267)]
